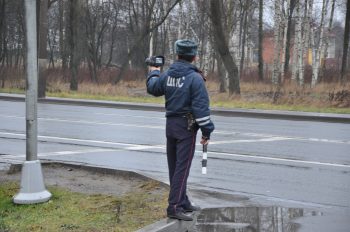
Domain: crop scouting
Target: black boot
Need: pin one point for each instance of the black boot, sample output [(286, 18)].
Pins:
[(192, 208), (180, 216)]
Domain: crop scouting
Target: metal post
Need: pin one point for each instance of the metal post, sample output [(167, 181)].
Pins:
[(32, 81), (32, 182)]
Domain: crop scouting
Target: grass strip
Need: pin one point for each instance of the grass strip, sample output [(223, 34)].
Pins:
[(70, 211), (269, 106), (76, 95), (229, 104)]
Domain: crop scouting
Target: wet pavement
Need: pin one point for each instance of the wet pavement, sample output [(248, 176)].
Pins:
[(251, 162), (250, 219)]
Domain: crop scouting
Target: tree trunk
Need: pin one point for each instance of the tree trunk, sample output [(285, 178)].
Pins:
[(2, 41), (151, 37), (283, 25), (110, 56), (238, 53), (288, 39), (221, 74), (277, 44), (170, 39), (62, 42), (244, 36), (297, 54), (42, 54), (74, 24), (326, 41), (318, 47), (307, 39), (304, 38), (261, 36), (346, 42), (51, 60), (206, 58), (222, 47)]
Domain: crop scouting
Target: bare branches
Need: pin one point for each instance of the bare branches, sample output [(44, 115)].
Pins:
[(223, 49), (119, 34)]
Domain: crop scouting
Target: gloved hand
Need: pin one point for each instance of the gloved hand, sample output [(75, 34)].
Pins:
[(204, 140)]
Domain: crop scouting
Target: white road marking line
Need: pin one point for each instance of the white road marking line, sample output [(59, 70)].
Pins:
[(11, 116), (324, 140), (131, 145), (238, 156), (287, 137), (215, 132), (102, 123), (131, 116), (140, 148), (245, 133), (73, 152), (250, 140), (144, 147), (91, 122), (247, 157), (58, 153)]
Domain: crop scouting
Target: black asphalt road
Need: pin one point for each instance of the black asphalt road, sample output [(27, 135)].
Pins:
[(260, 161)]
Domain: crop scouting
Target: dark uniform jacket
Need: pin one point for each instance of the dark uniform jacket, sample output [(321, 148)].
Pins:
[(185, 92)]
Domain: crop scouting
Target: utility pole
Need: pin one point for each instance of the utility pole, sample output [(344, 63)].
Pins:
[(32, 183)]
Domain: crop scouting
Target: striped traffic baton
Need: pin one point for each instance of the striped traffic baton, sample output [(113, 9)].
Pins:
[(204, 159)]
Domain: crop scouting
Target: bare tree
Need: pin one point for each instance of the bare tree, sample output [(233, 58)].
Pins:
[(289, 33), (53, 32), (297, 74), (114, 21), (222, 47), (12, 32), (307, 38), (63, 35), (2, 40), (261, 37), (246, 11), (283, 28), (317, 47), (42, 7), (145, 30), (346, 41), (96, 21), (326, 44), (76, 9), (86, 34), (276, 73)]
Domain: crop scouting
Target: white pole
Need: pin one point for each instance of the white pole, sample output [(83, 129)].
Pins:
[(32, 182), (204, 159)]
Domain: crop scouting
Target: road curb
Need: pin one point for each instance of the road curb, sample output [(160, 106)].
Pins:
[(168, 225), (251, 113)]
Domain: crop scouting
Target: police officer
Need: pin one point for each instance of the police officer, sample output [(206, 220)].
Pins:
[(187, 110)]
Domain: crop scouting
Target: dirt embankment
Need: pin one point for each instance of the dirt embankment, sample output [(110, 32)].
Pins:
[(90, 180)]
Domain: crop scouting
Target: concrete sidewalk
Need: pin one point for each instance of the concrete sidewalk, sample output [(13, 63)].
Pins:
[(254, 113)]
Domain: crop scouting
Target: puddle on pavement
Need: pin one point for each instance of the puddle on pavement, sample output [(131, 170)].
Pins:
[(250, 219)]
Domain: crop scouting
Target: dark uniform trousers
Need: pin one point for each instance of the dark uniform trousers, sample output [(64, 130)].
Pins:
[(180, 150)]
